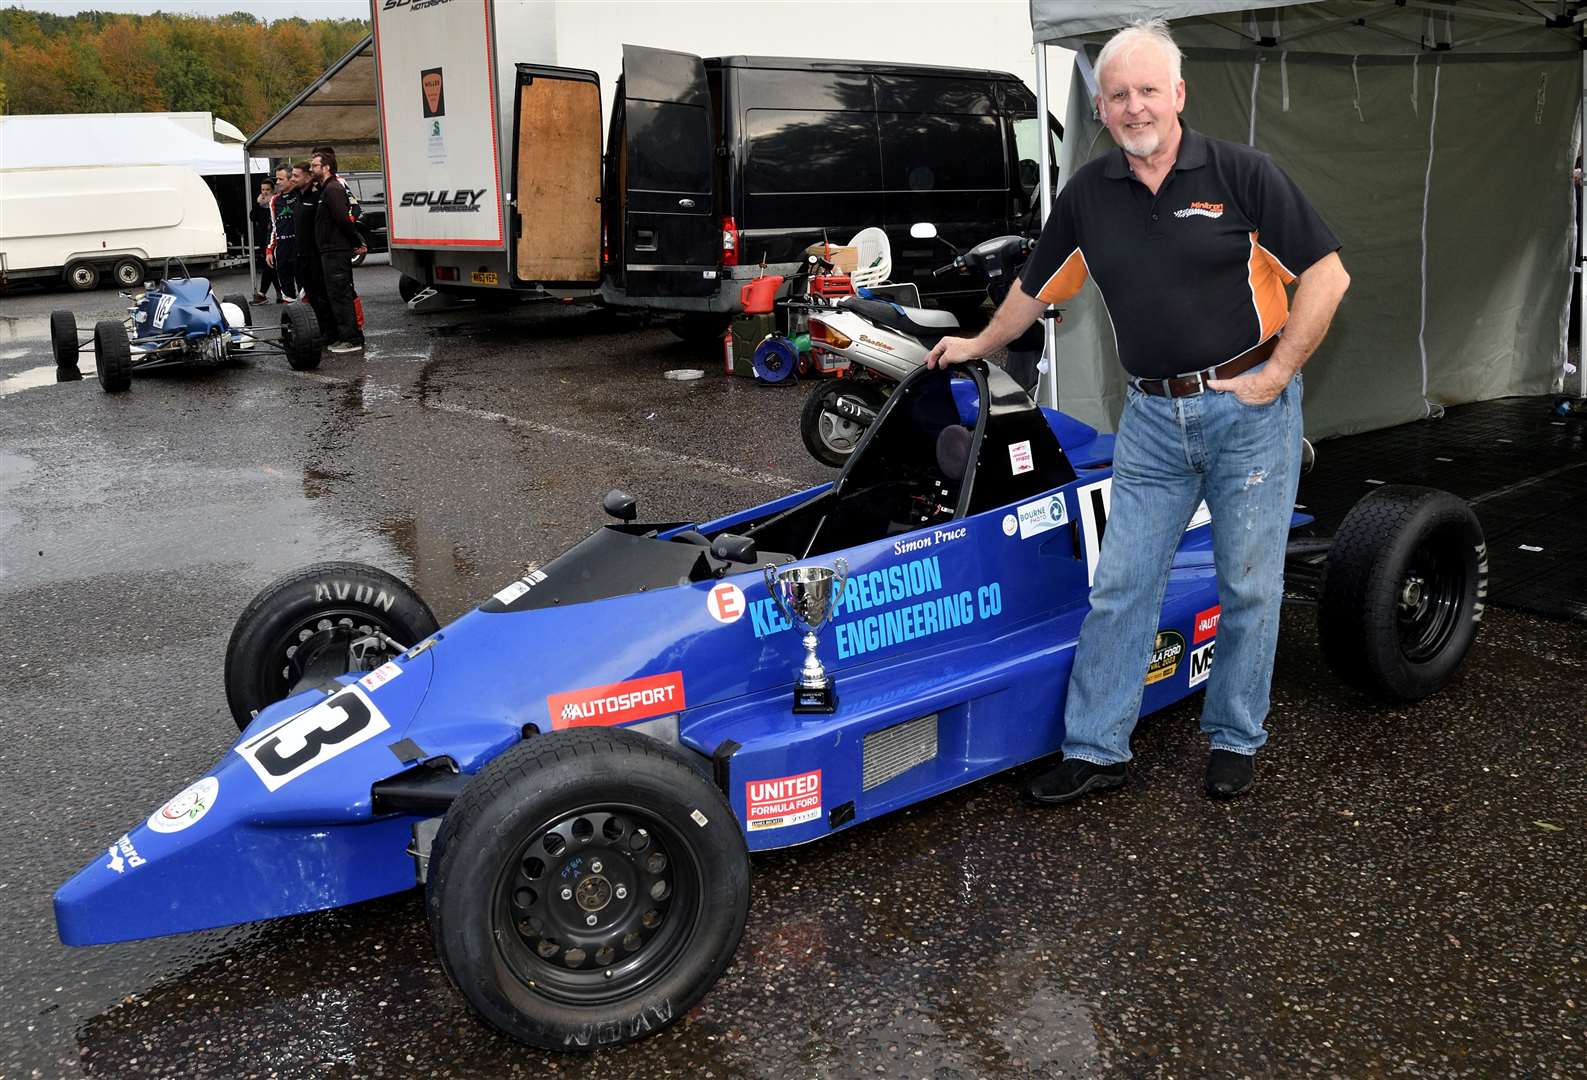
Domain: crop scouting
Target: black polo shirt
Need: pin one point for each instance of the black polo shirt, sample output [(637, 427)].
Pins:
[(1193, 275)]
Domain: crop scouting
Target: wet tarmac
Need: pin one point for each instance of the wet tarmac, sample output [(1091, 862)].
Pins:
[(1402, 895)]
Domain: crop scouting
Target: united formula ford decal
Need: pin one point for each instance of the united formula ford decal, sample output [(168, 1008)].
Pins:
[(788, 800), (282, 753), (1167, 651), (618, 703), (186, 809), (920, 580)]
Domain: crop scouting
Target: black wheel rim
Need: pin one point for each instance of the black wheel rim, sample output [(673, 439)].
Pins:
[(1428, 601), (597, 904), (317, 648), (839, 433)]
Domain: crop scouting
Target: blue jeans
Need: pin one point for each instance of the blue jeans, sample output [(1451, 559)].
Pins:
[(1170, 454)]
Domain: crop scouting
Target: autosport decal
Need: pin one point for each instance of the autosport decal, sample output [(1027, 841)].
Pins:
[(618, 703), (920, 580), (306, 740), (1095, 501), (787, 800), (1206, 624), (1201, 663), (1167, 651), (186, 809)]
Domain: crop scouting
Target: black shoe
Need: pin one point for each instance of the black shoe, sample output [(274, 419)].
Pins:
[(1229, 775), (1074, 778)]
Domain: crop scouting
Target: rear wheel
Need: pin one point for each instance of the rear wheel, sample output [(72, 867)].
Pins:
[(833, 419), (63, 344), (408, 287), (314, 625), (128, 272), (82, 276), (300, 337), (700, 328), (587, 889), (112, 356), (1403, 592)]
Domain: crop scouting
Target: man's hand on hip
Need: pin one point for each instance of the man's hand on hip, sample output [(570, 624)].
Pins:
[(1254, 387), (952, 350)]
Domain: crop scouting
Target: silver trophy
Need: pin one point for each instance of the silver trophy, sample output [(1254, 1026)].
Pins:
[(806, 596)]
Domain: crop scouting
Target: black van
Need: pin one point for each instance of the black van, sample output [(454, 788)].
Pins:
[(714, 165)]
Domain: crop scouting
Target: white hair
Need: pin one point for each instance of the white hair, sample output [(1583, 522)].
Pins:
[(1153, 32)]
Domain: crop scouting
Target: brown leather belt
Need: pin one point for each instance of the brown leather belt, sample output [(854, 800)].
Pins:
[(1195, 382)]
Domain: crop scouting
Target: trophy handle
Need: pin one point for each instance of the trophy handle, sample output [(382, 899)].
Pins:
[(769, 571), (841, 569)]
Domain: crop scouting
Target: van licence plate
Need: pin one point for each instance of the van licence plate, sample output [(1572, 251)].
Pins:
[(483, 277)]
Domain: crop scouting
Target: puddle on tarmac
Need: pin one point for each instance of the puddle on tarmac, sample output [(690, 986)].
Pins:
[(40, 376)]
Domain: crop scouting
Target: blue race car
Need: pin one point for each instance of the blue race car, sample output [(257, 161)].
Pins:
[(577, 770), (179, 321)]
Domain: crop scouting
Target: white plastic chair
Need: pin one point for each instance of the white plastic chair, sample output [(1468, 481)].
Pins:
[(876, 257)]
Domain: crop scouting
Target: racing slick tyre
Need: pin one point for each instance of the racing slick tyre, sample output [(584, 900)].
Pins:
[(128, 272), (314, 625), (829, 435), (408, 287), (300, 337), (81, 276), (63, 343), (587, 888), (242, 302), (701, 329), (112, 356), (1402, 592)]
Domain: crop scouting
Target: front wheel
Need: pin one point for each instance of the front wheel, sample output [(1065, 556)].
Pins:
[(1402, 592), (300, 337), (835, 417), (112, 356), (313, 625), (63, 344), (587, 889)]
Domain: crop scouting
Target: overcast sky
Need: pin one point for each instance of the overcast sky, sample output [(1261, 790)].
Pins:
[(264, 9)]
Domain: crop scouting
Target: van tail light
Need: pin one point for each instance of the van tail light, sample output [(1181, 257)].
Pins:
[(446, 273), (823, 334), (606, 248), (729, 242)]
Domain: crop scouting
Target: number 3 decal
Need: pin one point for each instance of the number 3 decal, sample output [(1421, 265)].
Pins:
[(310, 738)]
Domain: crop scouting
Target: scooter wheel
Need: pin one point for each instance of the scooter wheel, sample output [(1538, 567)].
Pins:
[(828, 432)]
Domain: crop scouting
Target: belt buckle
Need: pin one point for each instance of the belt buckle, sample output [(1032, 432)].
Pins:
[(1201, 383)]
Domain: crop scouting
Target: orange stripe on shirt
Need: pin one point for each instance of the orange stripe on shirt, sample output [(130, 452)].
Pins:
[(1066, 280), (1268, 279)]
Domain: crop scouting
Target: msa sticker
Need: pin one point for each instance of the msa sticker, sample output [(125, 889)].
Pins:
[(162, 310), (1095, 501), (1166, 654), (123, 855), (1201, 663), (1206, 624), (519, 587), (187, 808), (1019, 458), (788, 800), (380, 676), (1043, 514), (726, 603), (617, 703), (1010, 524), (281, 754)]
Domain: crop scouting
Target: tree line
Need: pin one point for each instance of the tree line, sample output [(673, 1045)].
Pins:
[(236, 66)]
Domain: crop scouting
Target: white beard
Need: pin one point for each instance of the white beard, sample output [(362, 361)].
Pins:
[(1143, 145)]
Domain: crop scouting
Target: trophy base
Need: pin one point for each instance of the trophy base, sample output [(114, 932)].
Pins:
[(815, 699)]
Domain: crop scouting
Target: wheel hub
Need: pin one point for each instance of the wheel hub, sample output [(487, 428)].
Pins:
[(1411, 593), (593, 893)]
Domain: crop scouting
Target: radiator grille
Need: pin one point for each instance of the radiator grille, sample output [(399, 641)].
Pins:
[(894, 751)]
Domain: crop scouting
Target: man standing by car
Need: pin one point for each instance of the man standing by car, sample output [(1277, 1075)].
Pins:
[(1191, 241), (260, 213), (281, 255), (336, 236), (311, 277)]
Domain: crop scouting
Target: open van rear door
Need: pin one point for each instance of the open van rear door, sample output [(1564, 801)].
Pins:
[(671, 240), (557, 175)]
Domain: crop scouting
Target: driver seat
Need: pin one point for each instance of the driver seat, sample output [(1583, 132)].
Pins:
[(924, 324)]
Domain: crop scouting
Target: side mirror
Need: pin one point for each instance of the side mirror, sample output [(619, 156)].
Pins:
[(732, 548), (923, 230), (620, 505)]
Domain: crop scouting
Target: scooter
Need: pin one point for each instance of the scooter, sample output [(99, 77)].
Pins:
[(879, 342)]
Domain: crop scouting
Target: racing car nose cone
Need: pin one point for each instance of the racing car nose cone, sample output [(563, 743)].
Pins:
[(594, 893)]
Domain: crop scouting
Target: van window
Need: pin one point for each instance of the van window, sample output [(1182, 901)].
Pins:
[(808, 151), (777, 88), (655, 126), (941, 153), (1027, 148), (916, 94)]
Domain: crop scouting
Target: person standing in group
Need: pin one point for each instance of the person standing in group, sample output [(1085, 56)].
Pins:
[(311, 279), (1191, 241), (260, 215), (338, 241), (281, 254)]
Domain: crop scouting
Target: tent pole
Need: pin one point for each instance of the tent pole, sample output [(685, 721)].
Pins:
[(1581, 253), (1047, 388), (247, 202)]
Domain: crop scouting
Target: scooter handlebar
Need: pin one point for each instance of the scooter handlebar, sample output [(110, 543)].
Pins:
[(956, 264)]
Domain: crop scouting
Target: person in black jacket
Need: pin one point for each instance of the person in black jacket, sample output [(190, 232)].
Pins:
[(260, 212), (281, 252), (311, 280), (338, 241)]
